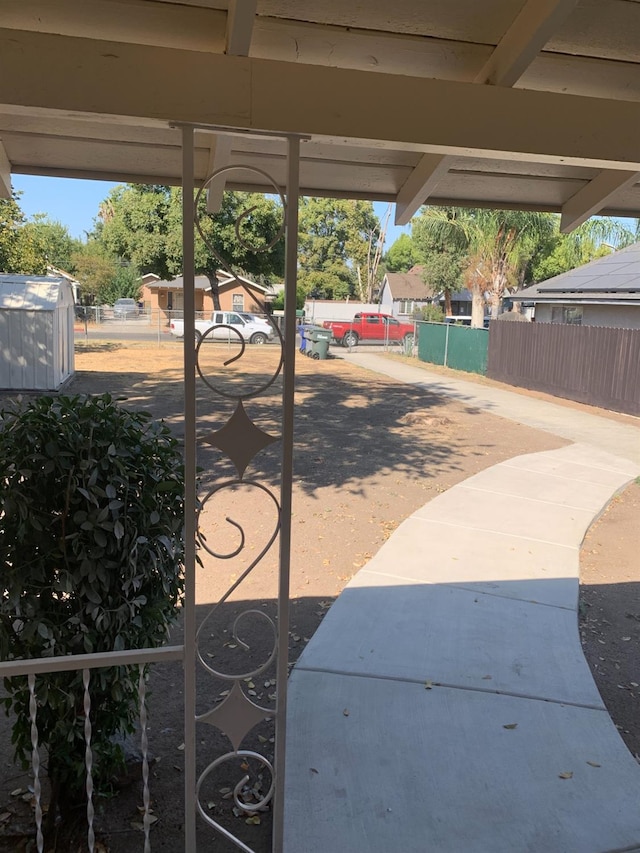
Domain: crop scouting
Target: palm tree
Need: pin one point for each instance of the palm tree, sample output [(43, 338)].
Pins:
[(498, 244)]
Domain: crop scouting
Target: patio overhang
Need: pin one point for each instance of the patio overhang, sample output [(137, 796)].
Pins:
[(530, 105)]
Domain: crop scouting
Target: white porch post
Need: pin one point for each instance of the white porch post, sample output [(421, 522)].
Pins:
[(190, 493), (291, 276)]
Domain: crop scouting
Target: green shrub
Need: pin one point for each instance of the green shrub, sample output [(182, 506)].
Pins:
[(91, 549), (431, 313)]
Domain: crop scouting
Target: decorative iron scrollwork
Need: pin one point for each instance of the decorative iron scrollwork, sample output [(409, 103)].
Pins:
[(240, 439)]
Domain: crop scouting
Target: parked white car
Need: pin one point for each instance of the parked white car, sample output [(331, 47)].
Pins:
[(223, 323)]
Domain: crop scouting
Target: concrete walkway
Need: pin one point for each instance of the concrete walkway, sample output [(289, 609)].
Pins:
[(444, 704)]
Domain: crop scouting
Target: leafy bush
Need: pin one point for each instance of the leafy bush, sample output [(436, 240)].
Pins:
[(91, 516), (431, 313)]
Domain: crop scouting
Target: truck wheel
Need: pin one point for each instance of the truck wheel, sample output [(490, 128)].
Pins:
[(258, 338), (350, 340)]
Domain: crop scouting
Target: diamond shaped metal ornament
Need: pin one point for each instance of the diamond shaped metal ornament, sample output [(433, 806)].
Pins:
[(235, 716), (240, 439)]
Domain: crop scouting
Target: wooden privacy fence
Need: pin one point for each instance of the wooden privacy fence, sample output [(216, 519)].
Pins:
[(589, 364)]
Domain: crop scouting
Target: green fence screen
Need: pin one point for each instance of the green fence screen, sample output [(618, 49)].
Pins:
[(459, 347)]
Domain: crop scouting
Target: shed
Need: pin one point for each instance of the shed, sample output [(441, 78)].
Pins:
[(36, 331)]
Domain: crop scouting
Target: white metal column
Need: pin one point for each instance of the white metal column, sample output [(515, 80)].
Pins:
[(247, 710)]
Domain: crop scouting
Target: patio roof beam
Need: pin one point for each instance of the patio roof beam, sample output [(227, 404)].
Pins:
[(122, 80), (240, 20), (537, 21), (594, 197), (219, 154), (516, 50), (160, 24), (5, 173)]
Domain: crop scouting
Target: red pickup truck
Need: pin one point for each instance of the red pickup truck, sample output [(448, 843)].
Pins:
[(370, 328)]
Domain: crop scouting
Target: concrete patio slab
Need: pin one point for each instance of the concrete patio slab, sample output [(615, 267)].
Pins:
[(576, 471), (542, 487), (382, 765), (526, 517), (436, 552), (389, 628), (444, 704)]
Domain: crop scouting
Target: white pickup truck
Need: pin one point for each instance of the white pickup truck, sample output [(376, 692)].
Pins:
[(254, 329)]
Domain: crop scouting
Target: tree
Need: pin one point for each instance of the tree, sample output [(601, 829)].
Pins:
[(52, 241), (278, 302), (335, 239), (442, 261), (91, 549), (593, 239), (403, 254), (498, 244), (142, 224), (18, 251), (96, 271)]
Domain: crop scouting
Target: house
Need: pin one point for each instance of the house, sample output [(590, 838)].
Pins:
[(402, 293), (36, 330), (604, 292), (236, 294), (75, 284)]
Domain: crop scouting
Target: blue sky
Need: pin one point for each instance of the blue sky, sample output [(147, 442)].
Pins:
[(75, 203)]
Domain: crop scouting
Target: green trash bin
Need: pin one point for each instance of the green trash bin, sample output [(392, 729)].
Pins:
[(320, 339)]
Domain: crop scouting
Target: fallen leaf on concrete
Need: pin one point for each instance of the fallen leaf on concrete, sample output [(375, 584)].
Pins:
[(593, 764), (511, 726), (568, 774)]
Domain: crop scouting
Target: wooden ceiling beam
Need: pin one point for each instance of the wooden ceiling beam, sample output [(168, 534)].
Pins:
[(240, 20), (5, 173), (115, 82), (160, 24), (516, 50), (219, 154), (536, 23), (593, 197)]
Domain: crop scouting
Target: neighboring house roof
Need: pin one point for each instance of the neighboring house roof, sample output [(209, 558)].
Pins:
[(462, 296), (614, 279), (225, 282), (406, 285), (59, 273), (30, 292)]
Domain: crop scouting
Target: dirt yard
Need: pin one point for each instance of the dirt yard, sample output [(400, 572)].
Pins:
[(368, 453)]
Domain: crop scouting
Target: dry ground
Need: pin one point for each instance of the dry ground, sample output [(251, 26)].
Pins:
[(369, 452)]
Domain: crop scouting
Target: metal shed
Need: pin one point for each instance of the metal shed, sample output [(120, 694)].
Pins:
[(36, 332)]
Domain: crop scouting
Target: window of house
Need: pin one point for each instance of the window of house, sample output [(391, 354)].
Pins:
[(568, 314), (573, 315), (238, 302)]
